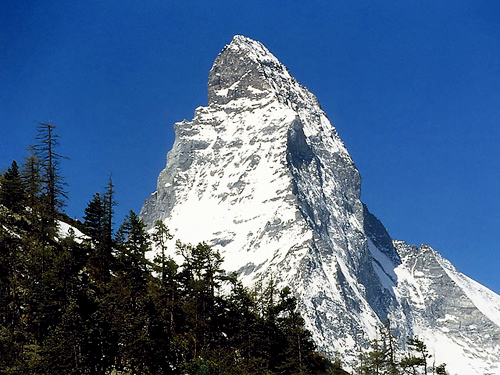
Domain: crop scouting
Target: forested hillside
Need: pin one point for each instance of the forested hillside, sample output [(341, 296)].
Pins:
[(88, 300), (78, 297)]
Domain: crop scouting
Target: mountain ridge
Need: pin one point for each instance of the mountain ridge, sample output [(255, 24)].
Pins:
[(261, 174)]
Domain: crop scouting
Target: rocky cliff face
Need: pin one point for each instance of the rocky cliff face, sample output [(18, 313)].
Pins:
[(262, 175), (459, 318)]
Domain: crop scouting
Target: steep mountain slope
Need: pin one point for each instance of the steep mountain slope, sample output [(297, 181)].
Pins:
[(459, 318), (262, 175)]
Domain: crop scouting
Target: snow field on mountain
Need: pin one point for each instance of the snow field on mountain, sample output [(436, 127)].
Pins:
[(261, 175), (246, 187)]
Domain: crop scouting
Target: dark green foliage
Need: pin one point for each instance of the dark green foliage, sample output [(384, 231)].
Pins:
[(441, 369), (97, 305), (12, 194), (129, 293), (148, 317), (160, 236), (109, 203), (415, 362), (94, 219), (387, 358), (374, 362), (98, 226), (30, 176), (12, 334)]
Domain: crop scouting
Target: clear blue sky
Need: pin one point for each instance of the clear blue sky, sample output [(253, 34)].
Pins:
[(413, 88)]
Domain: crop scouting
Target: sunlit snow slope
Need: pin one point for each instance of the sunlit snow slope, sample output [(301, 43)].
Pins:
[(261, 174)]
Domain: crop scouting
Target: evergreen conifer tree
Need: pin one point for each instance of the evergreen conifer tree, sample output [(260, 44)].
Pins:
[(441, 369), (130, 293), (52, 182), (109, 204), (390, 345), (100, 257), (295, 352), (30, 176), (160, 236), (415, 362), (11, 189)]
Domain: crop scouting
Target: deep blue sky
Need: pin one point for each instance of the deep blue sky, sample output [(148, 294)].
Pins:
[(413, 88)]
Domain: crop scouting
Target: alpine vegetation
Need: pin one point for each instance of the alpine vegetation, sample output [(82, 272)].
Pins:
[(76, 297)]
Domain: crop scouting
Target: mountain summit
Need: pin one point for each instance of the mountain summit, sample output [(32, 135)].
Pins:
[(262, 74), (261, 174)]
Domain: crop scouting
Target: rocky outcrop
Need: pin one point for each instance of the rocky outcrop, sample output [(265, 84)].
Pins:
[(261, 174)]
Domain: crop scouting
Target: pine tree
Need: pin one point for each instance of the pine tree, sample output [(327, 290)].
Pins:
[(441, 369), (381, 359), (295, 352), (243, 327), (94, 219), (164, 292), (32, 182), (390, 345), (101, 314), (133, 243), (52, 182), (66, 346), (160, 236), (374, 362), (98, 220), (417, 358), (13, 233), (100, 258), (200, 279), (130, 293), (11, 189), (109, 204), (11, 270)]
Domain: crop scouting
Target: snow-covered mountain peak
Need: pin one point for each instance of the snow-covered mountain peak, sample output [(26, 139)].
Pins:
[(246, 69), (261, 175), (251, 49)]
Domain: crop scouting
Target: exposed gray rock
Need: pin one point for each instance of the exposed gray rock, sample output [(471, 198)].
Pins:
[(262, 175)]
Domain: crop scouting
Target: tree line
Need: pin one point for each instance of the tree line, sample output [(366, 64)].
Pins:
[(88, 300), (386, 357)]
